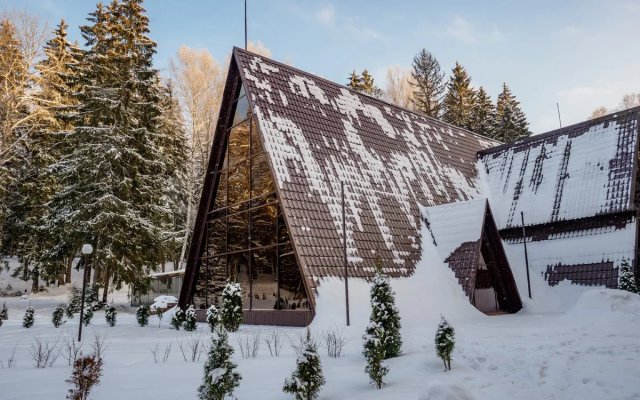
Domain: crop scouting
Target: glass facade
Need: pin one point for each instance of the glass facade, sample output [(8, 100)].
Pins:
[(247, 238)]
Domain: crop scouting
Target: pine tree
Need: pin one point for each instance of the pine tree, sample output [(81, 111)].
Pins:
[(177, 319), (110, 315), (374, 353), (213, 317), (305, 382), (4, 313), (190, 321), (142, 315), (459, 100), (369, 87), (231, 310), (428, 83), (483, 115), (28, 319), (511, 123), (74, 302), (384, 313), (445, 342), (87, 315), (627, 278), (58, 314), (220, 378)]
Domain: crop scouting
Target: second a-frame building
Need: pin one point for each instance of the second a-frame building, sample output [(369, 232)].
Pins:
[(306, 175)]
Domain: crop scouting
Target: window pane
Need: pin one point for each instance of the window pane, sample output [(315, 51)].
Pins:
[(238, 184), (239, 143), (256, 143), (242, 110), (239, 269), (221, 193), (283, 232), (265, 285), (292, 293), (238, 227), (217, 234), (263, 226), (242, 92), (261, 176)]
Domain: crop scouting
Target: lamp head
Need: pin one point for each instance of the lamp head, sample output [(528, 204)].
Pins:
[(87, 249)]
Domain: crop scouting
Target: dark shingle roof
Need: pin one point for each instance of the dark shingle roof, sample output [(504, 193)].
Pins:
[(576, 172), (318, 133)]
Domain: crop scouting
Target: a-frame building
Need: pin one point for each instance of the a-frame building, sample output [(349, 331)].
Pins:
[(271, 214)]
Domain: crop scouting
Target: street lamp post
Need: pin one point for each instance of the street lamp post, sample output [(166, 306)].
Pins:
[(86, 250)]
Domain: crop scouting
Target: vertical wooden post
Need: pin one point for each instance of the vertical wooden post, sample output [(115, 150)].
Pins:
[(526, 256), (344, 248)]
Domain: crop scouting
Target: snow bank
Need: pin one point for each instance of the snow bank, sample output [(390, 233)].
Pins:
[(432, 290), (607, 304), (446, 392)]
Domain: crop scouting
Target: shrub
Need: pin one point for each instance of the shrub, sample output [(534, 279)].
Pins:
[(305, 382), (177, 319), (213, 317), (190, 321), (28, 319), (87, 315), (220, 378), (445, 342), (110, 314), (231, 311), (58, 314), (142, 315), (86, 374)]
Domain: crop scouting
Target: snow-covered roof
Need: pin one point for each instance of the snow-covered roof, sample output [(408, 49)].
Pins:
[(453, 224), (318, 133), (575, 172)]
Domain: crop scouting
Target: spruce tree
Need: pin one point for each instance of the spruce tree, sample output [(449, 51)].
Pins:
[(483, 115), (305, 382), (355, 81), (369, 87), (445, 342), (428, 84), (220, 378), (459, 100), (190, 321), (110, 314), (58, 314), (627, 278), (231, 310), (511, 123), (28, 319), (142, 315), (87, 315), (213, 317), (177, 319)]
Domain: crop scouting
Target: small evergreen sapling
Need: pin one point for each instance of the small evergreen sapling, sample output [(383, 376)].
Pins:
[(58, 313), (142, 315), (74, 303), (28, 319), (445, 342), (305, 382), (231, 310), (4, 313), (220, 377), (627, 278), (190, 321), (385, 314), (87, 316), (110, 314), (213, 317), (177, 319), (374, 353)]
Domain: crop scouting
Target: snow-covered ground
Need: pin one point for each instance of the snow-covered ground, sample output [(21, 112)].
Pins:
[(587, 348)]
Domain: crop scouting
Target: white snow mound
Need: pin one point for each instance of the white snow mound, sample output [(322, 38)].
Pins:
[(447, 392), (613, 303)]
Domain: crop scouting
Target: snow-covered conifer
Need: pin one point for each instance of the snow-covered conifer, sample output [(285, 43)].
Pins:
[(213, 317), (374, 353), (305, 382), (220, 377), (87, 315), (627, 278), (445, 342), (28, 319), (4, 313), (142, 315), (385, 314), (74, 302), (110, 314), (177, 319), (231, 310), (58, 313), (190, 321)]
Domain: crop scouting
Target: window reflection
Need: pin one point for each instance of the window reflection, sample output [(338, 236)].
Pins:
[(264, 279), (242, 110)]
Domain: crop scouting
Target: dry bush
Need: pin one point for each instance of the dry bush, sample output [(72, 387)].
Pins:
[(249, 345), (44, 353), (11, 361), (158, 357), (71, 349), (333, 340), (274, 343), (86, 374), (191, 347), (99, 344)]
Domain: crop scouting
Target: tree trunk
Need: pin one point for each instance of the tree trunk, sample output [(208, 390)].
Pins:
[(105, 285), (35, 276), (69, 264)]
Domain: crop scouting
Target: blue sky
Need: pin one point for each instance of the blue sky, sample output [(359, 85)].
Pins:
[(582, 54)]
